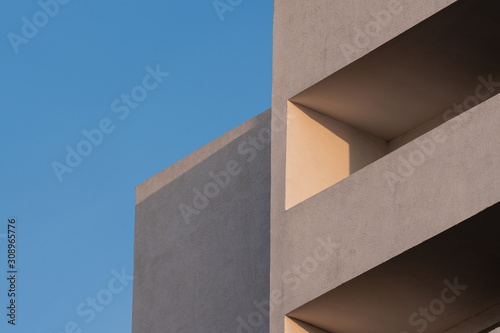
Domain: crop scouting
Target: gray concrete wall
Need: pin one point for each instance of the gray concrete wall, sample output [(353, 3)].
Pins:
[(202, 238)]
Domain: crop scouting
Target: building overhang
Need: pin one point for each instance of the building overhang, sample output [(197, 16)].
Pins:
[(443, 61), (435, 286)]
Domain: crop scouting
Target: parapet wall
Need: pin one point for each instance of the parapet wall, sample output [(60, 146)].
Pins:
[(202, 237)]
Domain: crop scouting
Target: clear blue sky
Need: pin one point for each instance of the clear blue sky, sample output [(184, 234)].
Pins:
[(74, 74)]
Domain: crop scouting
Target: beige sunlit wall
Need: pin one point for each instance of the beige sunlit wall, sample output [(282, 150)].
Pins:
[(297, 326), (322, 151)]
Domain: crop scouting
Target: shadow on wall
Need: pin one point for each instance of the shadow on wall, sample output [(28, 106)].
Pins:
[(202, 236), (493, 329), (322, 151), (408, 86), (296, 326), (449, 283)]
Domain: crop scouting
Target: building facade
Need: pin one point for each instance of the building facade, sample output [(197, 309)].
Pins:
[(367, 198)]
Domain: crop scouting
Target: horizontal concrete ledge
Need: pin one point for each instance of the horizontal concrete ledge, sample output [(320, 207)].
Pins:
[(365, 211), (418, 75), (454, 275)]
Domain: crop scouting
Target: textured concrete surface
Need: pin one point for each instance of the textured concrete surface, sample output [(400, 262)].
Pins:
[(371, 223), (200, 269), (367, 220), (416, 76), (437, 285)]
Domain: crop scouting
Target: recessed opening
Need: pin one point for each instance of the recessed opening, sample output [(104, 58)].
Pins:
[(441, 283), (424, 77)]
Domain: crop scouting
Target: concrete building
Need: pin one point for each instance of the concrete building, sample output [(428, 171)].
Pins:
[(365, 201)]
